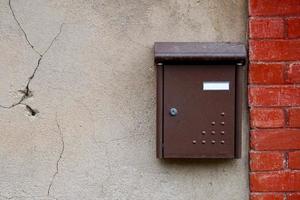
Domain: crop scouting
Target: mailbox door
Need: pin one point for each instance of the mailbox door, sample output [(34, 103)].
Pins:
[(202, 121)]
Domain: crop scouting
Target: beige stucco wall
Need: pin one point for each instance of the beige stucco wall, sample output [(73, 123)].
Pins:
[(94, 90)]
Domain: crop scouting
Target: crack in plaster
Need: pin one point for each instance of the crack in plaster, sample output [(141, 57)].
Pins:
[(20, 26), (32, 111), (59, 158), (27, 92)]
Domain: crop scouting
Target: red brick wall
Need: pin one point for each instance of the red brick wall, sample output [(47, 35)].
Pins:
[(274, 99)]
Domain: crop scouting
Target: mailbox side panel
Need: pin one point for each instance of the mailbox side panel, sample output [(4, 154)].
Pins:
[(159, 110), (204, 126), (241, 85)]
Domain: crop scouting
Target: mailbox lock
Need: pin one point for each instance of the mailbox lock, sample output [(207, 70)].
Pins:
[(173, 111)]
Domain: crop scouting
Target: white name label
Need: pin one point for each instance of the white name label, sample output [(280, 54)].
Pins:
[(216, 85)]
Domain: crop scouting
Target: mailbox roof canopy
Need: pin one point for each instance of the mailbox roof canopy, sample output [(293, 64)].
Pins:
[(200, 53)]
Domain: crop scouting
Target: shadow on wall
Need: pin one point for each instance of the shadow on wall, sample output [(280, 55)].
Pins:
[(194, 162)]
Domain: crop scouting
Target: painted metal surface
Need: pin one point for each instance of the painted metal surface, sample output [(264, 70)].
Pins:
[(198, 111), (199, 52)]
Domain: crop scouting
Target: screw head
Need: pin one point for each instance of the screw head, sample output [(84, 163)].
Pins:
[(213, 123), (194, 141), (222, 142), (203, 141), (203, 132), (222, 114), (213, 132), (173, 111), (213, 142), (222, 123), (222, 132)]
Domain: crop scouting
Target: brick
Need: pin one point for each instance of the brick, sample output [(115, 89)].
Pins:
[(293, 25), (274, 7), (266, 73), (264, 161), (293, 196), (266, 28), (293, 73), (261, 96), (267, 118), (274, 96), (294, 160), (275, 139), (275, 181), (290, 96), (294, 117), (268, 196), (274, 50)]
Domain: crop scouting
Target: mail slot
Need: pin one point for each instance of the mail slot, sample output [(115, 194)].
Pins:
[(199, 99)]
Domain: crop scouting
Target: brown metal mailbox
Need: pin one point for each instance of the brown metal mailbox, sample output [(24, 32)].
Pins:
[(199, 99)]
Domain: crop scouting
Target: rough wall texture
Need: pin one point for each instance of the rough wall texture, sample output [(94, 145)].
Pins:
[(274, 97), (77, 96)]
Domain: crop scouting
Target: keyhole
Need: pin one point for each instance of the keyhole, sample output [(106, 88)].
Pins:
[(173, 111)]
